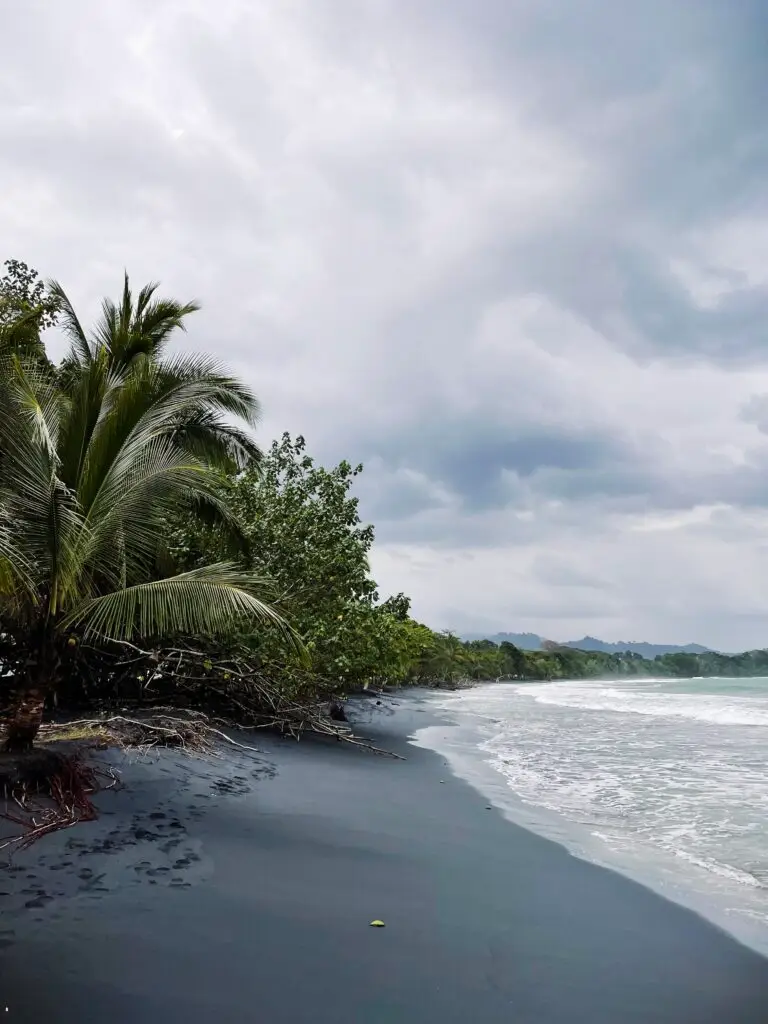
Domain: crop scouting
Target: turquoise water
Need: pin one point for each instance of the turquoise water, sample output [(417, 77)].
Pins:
[(664, 779)]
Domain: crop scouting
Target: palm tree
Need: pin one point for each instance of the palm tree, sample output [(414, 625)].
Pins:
[(133, 337), (446, 660), (95, 458)]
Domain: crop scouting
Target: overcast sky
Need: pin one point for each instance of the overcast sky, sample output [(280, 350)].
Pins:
[(510, 254)]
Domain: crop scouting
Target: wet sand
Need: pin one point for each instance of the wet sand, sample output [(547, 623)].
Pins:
[(243, 890)]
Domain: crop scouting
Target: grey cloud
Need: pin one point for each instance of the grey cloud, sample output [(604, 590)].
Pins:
[(486, 464), (578, 58), (488, 477), (672, 108), (351, 190), (121, 160), (755, 410), (567, 571), (474, 463)]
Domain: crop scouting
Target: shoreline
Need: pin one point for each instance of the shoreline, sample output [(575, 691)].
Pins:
[(651, 867), (241, 889)]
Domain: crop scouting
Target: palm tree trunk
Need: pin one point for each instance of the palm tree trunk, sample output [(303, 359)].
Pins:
[(25, 713), (25, 716)]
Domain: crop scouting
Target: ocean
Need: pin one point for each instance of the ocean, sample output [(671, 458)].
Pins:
[(664, 780)]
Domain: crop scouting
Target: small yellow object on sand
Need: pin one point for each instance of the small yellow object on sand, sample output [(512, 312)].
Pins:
[(377, 924)]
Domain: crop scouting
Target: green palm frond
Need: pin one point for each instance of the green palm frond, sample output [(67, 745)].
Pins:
[(98, 456), (30, 415), (209, 437), (185, 402), (202, 601), (131, 331), (224, 392), (88, 392), (15, 570), (67, 319), (158, 320), (40, 515), (210, 510), (138, 495), (132, 423), (31, 405)]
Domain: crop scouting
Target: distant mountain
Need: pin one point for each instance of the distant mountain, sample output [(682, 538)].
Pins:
[(533, 642), (525, 641), (590, 643)]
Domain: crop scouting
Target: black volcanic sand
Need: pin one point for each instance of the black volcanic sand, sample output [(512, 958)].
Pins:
[(242, 890)]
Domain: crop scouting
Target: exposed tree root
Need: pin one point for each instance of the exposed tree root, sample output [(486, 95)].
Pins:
[(227, 682), (188, 699), (46, 791)]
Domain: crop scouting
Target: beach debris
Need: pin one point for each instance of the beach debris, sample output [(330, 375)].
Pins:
[(223, 684), (377, 924), (50, 791)]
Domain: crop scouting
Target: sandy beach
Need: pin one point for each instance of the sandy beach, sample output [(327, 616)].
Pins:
[(244, 889)]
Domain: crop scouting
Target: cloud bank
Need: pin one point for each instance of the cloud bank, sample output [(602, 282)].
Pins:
[(513, 256)]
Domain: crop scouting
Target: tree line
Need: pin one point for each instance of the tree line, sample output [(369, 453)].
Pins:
[(485, 660)]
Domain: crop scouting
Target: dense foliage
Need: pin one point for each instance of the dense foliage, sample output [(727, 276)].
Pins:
[(303, 531), (27, 307)]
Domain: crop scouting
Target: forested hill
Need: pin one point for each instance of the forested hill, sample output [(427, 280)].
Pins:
[(534, 642)]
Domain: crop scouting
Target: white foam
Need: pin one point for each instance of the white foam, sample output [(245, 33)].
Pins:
[(723, 870), (666, 779), (715, 709)]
